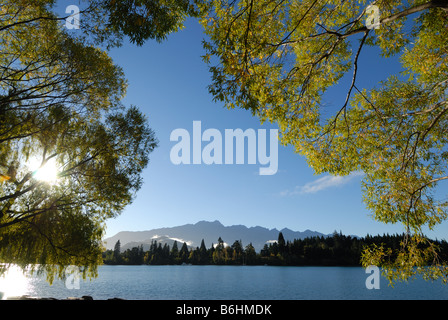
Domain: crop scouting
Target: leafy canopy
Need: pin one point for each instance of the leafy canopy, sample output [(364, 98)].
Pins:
[(60, 107), (109, 21), (278, 58)]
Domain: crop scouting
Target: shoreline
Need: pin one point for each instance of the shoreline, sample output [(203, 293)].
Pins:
[(82, 298)]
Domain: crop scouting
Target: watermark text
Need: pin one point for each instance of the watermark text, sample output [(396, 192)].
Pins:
[(233, 147), (373, 281), (74, 19), (373, 17)]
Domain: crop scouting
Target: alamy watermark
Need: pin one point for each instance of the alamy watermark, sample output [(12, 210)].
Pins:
[(212, 152), (373, 17), (74, 19), (373, 281), (73, 278)]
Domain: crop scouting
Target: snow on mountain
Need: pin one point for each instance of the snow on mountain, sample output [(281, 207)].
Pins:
[(193, 234)]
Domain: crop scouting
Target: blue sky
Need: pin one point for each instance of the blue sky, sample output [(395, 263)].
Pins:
[(168, 82)]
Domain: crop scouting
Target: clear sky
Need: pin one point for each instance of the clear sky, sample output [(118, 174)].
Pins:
[(168, 82)]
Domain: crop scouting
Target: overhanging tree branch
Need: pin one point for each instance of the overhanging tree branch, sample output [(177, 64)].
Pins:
[(432, 4)]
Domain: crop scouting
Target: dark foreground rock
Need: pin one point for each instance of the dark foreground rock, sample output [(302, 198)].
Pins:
[(25, 297)]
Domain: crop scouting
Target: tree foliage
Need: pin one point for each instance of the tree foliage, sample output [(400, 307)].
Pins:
[(334, 250), (279, 58), (60, 102), (110, 21)]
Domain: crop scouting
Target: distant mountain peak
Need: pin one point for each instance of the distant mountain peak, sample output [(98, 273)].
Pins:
[(204, 222), (210, 231)]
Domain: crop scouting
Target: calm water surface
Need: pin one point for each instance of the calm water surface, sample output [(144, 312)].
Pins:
[(226, 282)]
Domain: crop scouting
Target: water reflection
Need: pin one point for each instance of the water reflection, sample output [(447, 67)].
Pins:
[(14, 283)]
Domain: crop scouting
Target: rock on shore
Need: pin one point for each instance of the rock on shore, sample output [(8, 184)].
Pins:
[(25, 297)]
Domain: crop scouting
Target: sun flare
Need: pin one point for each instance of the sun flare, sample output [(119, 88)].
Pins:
[(47, 173), (13, 283)]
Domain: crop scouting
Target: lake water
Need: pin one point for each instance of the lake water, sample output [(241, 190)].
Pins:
[(224, 282)]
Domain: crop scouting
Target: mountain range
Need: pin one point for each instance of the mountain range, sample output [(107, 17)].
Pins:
[(192, 235)]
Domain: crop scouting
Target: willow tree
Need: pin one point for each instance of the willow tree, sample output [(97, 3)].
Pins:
[(278, 58), (71, 154)]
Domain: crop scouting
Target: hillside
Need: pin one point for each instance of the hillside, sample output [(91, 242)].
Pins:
[(192, 234)]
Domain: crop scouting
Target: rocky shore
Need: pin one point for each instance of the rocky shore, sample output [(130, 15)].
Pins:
[(85, 298)]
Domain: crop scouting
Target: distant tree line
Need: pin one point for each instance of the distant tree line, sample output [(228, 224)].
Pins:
[(335, 250)]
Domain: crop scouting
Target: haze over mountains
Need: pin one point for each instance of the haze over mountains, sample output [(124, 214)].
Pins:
[(193, 234)]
